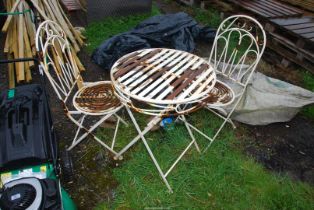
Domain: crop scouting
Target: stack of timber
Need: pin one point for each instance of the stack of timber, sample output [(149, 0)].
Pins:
[(293, 39), (20, 29)]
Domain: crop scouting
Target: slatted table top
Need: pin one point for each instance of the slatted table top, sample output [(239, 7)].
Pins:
[(163, 76), (269, 8)]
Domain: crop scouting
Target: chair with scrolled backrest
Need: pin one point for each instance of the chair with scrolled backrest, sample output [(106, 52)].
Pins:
[(237, 49), (59, 64)]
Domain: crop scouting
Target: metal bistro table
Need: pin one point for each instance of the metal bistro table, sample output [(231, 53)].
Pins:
[(167, 82)]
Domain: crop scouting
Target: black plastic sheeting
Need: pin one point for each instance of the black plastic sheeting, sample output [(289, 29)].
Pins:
[(177, 31)]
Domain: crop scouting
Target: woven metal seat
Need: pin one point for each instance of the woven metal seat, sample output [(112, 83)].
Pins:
[(220, 95), (96, 99)]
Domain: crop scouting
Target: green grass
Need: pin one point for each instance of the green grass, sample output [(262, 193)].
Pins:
[(98, 32), (308, 81), (222, 178), (209, 17)]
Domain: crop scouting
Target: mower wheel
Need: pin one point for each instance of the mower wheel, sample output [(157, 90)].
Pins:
[(67, 172)]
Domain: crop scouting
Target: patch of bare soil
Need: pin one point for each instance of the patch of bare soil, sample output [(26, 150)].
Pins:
[(284, 147)]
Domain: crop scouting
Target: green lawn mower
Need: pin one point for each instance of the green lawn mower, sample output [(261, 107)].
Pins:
[(29, 163)]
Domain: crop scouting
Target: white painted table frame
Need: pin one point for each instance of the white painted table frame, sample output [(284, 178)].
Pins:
[(138, 83)]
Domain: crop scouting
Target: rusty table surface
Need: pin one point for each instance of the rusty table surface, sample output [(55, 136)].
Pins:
[(163, 76)]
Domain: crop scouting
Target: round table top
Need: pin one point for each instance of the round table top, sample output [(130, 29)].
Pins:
[(163, 76)]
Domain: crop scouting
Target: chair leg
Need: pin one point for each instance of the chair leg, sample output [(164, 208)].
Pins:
[(115, 134), (200, 132), (232, 123), (81, 121), (223, 117), (217, 133), (87, 131), (122, 120)]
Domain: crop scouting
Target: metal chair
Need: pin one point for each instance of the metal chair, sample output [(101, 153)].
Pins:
[(96, 99), (237, 49)]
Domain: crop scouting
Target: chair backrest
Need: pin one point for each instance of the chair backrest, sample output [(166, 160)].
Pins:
[(46, 29), (238, 47), (57, 60)]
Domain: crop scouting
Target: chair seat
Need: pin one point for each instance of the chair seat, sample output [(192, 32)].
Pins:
[(96, 99), (220, 95)]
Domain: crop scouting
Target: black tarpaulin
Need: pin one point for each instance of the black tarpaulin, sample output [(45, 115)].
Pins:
[(177, 31)]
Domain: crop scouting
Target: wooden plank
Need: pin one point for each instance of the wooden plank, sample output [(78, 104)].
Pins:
[(304, 30), (273, 11), (271, 7), (305, 4), (256, 9), (298, 47), (300, 26), (21, 74), (9, 18), (308, 35), (292, 21), (283, 6), (279, 48), (268, 8)]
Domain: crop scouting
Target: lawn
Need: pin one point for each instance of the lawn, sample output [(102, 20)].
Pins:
[(222, 178)]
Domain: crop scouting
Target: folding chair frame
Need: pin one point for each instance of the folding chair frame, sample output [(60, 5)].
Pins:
[(58, 64), (228, 67)]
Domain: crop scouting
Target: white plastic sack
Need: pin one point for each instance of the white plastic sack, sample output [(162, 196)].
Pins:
[(268, 100)]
